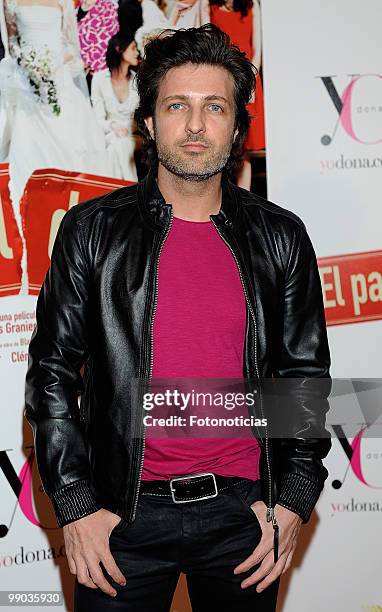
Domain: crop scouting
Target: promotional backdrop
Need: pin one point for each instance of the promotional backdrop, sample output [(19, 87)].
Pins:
[(323, 115), (323, 109)]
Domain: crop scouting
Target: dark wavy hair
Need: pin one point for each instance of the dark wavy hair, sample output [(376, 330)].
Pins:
[(205, 45), (238, 5), (115, 48)]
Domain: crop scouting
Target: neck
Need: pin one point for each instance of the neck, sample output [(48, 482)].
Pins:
[(122, 71), (190, 200)]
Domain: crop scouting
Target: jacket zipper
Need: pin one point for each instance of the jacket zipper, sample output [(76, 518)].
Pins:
[(151, 359), (270, 515)]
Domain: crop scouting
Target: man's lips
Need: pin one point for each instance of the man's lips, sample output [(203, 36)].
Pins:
[(194, 145)]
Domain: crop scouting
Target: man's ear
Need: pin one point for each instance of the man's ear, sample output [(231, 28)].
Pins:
[(236, 133), (149, 124)]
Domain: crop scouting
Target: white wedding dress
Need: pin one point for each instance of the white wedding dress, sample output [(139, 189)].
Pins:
[(71, 140), (111, 112)]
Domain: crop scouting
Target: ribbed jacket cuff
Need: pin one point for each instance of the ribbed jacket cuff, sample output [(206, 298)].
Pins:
[(298, 494), (73, 501)]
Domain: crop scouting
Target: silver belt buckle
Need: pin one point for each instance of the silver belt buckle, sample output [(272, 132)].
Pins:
[(184, 501)]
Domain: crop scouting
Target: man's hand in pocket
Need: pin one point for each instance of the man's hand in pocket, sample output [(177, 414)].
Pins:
[(86, 544), (289, 525)]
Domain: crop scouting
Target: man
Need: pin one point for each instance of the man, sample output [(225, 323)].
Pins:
[(181, 275)]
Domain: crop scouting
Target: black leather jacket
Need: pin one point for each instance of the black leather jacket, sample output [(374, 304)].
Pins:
[(96, 308)]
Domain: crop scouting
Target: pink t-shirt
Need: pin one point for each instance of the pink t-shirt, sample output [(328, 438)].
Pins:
[(199, 332)]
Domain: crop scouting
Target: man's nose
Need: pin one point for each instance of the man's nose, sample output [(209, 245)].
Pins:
[(195, 120)]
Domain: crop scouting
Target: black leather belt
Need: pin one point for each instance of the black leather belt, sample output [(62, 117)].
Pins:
[(191, 487)]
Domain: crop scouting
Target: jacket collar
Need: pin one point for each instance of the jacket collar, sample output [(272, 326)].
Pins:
[(157, 212)]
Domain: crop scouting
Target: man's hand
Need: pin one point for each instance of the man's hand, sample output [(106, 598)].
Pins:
[(86, 544), (289, 526)]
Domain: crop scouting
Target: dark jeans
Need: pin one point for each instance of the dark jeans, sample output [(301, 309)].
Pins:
[(203, 539)]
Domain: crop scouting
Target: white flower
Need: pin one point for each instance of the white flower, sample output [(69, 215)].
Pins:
[(39, 67)]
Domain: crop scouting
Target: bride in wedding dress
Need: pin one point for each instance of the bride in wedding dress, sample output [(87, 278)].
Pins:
[(46, 118)]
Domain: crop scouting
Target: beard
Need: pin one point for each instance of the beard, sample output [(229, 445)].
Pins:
[(193, 166)]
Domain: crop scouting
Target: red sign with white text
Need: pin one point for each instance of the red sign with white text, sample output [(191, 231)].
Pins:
[(352, 287), (47, 196), (10, 241)]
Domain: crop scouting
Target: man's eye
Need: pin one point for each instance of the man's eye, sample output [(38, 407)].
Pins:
[(175, 104), (216, 108)]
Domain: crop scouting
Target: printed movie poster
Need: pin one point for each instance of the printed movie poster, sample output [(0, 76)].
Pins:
[(67, 134), (68, 94)]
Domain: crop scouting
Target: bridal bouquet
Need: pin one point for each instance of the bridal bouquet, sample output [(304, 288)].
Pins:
[(38, 66)]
